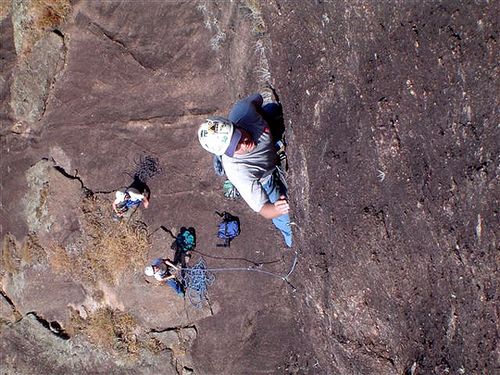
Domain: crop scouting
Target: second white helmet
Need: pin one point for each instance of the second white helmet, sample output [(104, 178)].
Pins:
[(149, 271)]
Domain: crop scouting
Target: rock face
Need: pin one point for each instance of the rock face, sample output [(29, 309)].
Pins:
[(392, 132), (395, 105)]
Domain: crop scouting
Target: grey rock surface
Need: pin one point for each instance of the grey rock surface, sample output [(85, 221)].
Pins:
[(33, 78), (50, 354)]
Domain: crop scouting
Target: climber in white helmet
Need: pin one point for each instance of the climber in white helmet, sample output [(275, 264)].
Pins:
[(126, 201), (165, 271), (249, 158)]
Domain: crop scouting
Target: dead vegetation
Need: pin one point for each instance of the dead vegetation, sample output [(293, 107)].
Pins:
[(59, 259), (4, 9), (32, 251), (14, 255), (112, 248), (42, 204), (153, 345), (113, 329), (110, 329), (10, 261), (50, 13), (109, 249), (255, 12)]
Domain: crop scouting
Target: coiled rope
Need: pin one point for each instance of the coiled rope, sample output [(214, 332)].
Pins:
[(196, 281), (146, 167)]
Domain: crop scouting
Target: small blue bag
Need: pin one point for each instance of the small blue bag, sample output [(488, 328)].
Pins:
[(228, 229)]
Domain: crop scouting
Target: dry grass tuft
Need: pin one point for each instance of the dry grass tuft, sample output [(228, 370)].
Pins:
[(178, 350), (110, 329), (255, 10), (44, 195), (112, 248), (153, 345), (109, 249), (113, 329), (10, 262), (15, 256), (59, 259), (50, 13), (32, 251), (254, 6)]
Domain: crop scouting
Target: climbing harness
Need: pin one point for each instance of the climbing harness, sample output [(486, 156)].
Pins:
[(228, 188), (126, 205), (129, 203), (218, 167), (280, 146)]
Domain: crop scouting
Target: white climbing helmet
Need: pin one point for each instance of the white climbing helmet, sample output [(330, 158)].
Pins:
[(215, 134), (149, 271)]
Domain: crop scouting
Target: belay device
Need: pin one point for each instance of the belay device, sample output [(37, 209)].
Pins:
[(229, 228)]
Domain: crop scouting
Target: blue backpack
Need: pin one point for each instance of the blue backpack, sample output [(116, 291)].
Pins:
[(229, 228)]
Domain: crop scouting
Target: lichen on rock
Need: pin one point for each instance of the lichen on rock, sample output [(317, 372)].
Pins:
[(34, 77), (35, 200)]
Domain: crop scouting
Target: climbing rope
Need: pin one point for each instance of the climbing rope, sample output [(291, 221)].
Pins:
[(198, 278), (255, 263), (196, 281), (146, 168), (250, 269)]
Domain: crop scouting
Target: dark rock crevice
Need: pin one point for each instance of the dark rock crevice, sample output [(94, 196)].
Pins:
[(58, 32), (85, 189), (178, 341), (99, 30), (170, 119), (17, 314), (53, 326), (175, 329), (7, 298), (162, 118), (210, 306)]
